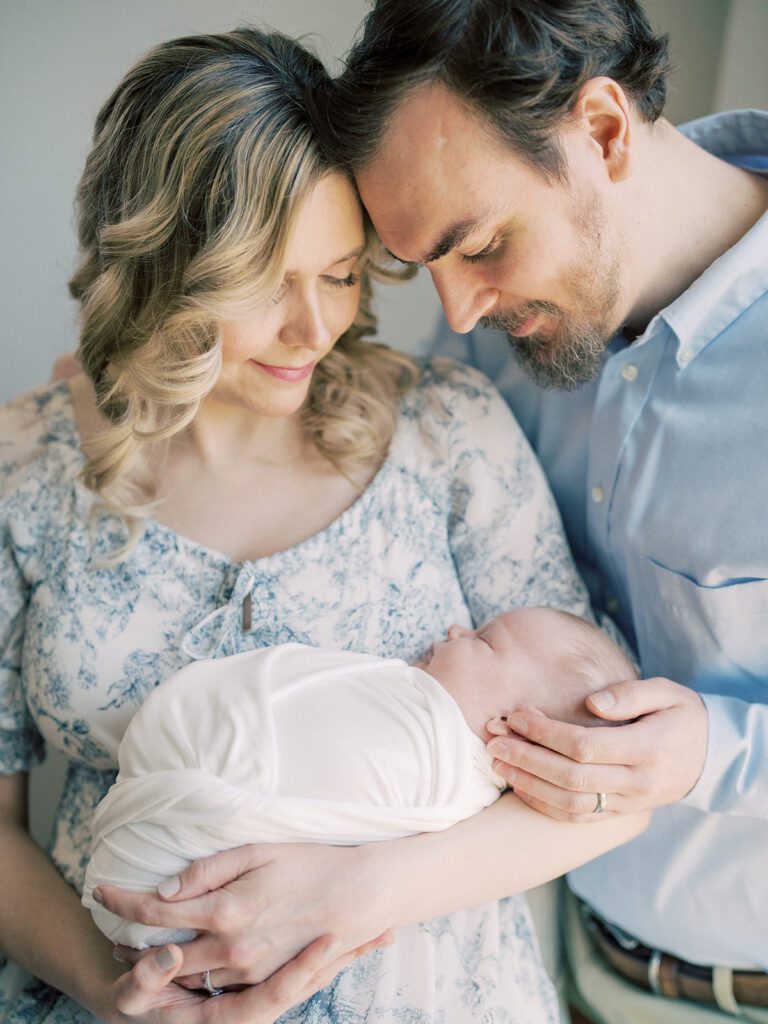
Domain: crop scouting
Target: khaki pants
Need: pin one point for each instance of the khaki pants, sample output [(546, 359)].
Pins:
[(607, 998)]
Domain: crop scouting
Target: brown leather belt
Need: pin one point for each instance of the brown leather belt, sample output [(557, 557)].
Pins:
[(664, 974)]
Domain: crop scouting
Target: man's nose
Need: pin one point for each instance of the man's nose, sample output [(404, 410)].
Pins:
[(464, 295)]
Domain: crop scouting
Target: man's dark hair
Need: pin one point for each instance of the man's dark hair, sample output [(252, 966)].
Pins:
[(519, 63)]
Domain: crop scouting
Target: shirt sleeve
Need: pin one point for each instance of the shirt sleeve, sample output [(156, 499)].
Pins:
[(21, 745), (505, 532), (734, 779)]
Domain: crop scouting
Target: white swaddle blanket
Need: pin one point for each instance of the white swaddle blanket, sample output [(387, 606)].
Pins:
[(284, 744)]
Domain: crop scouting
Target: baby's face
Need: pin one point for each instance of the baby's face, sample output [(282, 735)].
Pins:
[(491, 670)]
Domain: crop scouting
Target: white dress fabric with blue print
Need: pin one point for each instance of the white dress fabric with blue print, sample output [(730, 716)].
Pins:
[(457, 525)]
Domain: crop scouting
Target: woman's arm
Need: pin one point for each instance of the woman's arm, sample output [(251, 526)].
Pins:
[(45, 929), (257, 905), (42, 924)]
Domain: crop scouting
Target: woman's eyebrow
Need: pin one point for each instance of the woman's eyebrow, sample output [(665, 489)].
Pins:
[(353, 254)]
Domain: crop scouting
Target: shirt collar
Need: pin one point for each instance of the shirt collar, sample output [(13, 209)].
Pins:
[(738, 277)]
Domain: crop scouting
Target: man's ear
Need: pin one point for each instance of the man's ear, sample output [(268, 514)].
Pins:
[(603, 110)]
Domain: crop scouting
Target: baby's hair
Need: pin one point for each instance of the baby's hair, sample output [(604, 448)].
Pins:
[(593, 655), (585, 660)]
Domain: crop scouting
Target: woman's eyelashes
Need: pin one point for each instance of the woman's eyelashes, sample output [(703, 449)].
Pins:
[(335, 282), (343, 282)]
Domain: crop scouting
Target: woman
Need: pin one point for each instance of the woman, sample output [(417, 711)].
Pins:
[(237, 468)]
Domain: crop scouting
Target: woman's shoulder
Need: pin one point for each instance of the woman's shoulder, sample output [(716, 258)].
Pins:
[(453, 398), (37, 435), (447, 379)]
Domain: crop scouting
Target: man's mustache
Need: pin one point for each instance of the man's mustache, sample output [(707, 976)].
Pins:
[(510, 320)]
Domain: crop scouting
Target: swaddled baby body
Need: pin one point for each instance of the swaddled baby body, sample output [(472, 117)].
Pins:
[(300, 744)]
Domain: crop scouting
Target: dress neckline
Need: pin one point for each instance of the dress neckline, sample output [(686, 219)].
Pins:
[(153, 526)]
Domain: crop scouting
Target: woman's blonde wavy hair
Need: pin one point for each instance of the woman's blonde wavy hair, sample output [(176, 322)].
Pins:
[(200, 163)]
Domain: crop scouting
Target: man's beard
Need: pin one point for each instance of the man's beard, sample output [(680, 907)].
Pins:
[(567, 358), (572, 353)]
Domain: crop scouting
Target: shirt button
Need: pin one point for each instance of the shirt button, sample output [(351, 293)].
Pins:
[(612, 605), (629, 372), (597, 494), (685, 356)]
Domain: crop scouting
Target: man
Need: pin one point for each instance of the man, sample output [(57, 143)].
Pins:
[(517, 150)]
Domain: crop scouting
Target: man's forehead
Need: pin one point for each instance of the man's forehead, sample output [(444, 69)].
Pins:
[(429, 179)]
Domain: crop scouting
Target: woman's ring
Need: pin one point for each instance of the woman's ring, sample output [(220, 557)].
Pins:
[(209, 988), (602, 800)]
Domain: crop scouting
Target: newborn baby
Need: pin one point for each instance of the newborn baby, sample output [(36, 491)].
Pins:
[(296, 743)]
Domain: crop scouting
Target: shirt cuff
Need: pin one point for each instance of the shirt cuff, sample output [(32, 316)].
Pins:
[(730, 780)]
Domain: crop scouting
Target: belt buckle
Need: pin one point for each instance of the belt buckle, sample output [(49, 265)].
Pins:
[(654, 972), (592, 920)]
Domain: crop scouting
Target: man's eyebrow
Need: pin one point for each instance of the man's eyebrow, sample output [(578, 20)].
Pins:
[(454, 236)]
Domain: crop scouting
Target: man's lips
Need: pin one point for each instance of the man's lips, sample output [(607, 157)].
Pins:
[(288, 373), (526, 327)]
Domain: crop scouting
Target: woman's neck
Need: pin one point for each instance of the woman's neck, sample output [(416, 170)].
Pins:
[(221, 435)]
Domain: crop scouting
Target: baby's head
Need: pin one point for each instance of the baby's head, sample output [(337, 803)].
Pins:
[(542, 657)]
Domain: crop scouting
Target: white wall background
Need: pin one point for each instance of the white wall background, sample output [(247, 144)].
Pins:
[(60, 58), (58, 62)]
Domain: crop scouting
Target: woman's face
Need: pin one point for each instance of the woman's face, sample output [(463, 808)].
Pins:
[(268, 357)]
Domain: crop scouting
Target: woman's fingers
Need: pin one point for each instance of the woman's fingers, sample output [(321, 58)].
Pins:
[(208, 953), (313, 969), (149, 908), (139, 989), (211, 873)]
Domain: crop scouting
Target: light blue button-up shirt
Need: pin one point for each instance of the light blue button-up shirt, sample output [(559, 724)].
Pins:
[(660, 468)]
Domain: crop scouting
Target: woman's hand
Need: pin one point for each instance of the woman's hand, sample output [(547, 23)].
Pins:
[(256, 907), (149, 992), (654, 760)]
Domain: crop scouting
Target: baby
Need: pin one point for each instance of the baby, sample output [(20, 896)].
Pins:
[(301, 744)]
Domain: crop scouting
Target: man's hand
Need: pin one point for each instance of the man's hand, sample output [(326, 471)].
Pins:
[(653, 760)]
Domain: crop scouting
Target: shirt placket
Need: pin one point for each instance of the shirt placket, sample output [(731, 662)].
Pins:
[(624, 388)]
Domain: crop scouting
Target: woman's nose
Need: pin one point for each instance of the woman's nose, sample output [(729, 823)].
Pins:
[(306, 326)]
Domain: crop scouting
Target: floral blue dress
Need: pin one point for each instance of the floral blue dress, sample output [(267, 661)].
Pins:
[(457, 525)]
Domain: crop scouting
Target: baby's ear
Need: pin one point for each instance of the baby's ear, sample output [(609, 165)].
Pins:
[(498, 726)]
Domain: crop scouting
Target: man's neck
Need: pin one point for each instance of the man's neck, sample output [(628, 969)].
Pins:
[(689, 208)]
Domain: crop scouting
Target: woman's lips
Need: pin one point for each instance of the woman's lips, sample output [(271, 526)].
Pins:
[(289, 373)]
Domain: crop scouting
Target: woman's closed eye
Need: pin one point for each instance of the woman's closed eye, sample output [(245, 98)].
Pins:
[(342, 282)]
